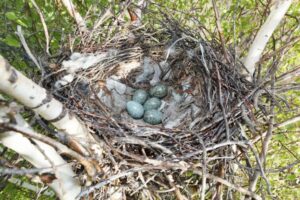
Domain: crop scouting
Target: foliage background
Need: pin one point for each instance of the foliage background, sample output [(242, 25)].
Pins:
[(240, 20)]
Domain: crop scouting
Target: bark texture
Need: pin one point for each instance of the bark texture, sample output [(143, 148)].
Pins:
[(41, 155), (277, 13)]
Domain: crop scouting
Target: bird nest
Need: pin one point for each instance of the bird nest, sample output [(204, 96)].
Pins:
[(209, 102)]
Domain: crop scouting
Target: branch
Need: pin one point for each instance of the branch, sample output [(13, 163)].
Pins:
[(17, 171), (220, 30), (31, 187), (289, 76), (278, 11), (267, 139), (228, 184), (213, 147), (30, 94), (64, 185), (178, 194), (109, 180), (24, 43), (62, 149), (44, 25), (81, 24), (292, 120)]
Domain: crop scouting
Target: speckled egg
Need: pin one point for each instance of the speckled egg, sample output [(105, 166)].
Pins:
[(159, 91), (153, 117), (135, 109), (140, 96), (152, 104)]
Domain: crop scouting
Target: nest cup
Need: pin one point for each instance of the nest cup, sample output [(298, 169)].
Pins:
[(192, 69), (202, 86)]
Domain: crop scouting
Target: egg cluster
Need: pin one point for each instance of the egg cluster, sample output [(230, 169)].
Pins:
[(145, 105)]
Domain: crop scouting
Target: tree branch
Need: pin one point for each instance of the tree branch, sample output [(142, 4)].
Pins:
[(278, 11), (60, 147), (228, 184), (64, 183), (81, 24), (30, 94)]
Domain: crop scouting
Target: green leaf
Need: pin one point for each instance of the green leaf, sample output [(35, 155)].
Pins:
[(279, 137), (11, 16), (11, 41), (20, 22), (291, 177), (189, 174)]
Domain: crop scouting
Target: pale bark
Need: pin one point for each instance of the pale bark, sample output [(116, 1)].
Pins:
[(44, 25), (75, 14), (277, 13), (30, 94), (41, 156), (29, 186), (139, 12)]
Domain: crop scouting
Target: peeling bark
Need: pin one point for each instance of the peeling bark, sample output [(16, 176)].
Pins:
[(30, 94), (42, 155)]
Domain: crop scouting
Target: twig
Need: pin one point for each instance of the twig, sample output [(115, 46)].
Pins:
[(216, 146), (156, 164), (267, 139), (145, 143), (220, 30), (284, 168), (292, 120), (107, 181), (4, 171), (29, 186), (62, 148), (177, 191), (204, 159), (286, 77), (51, 163), (290, 151), (170, 49), (222, 105), (44, 25), (278, 10), (144, 185), (260, 166), (246, 119), (81, 24), (291, 43), (228, 184), (23, 41), (108, 14)]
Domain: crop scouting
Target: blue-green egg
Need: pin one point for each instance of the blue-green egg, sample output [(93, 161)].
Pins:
[(152, 103), (153, 117), (135, 109), (159, 91), (140, 96)]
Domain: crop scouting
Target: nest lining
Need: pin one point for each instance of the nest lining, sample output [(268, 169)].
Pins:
[(213, 90)]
